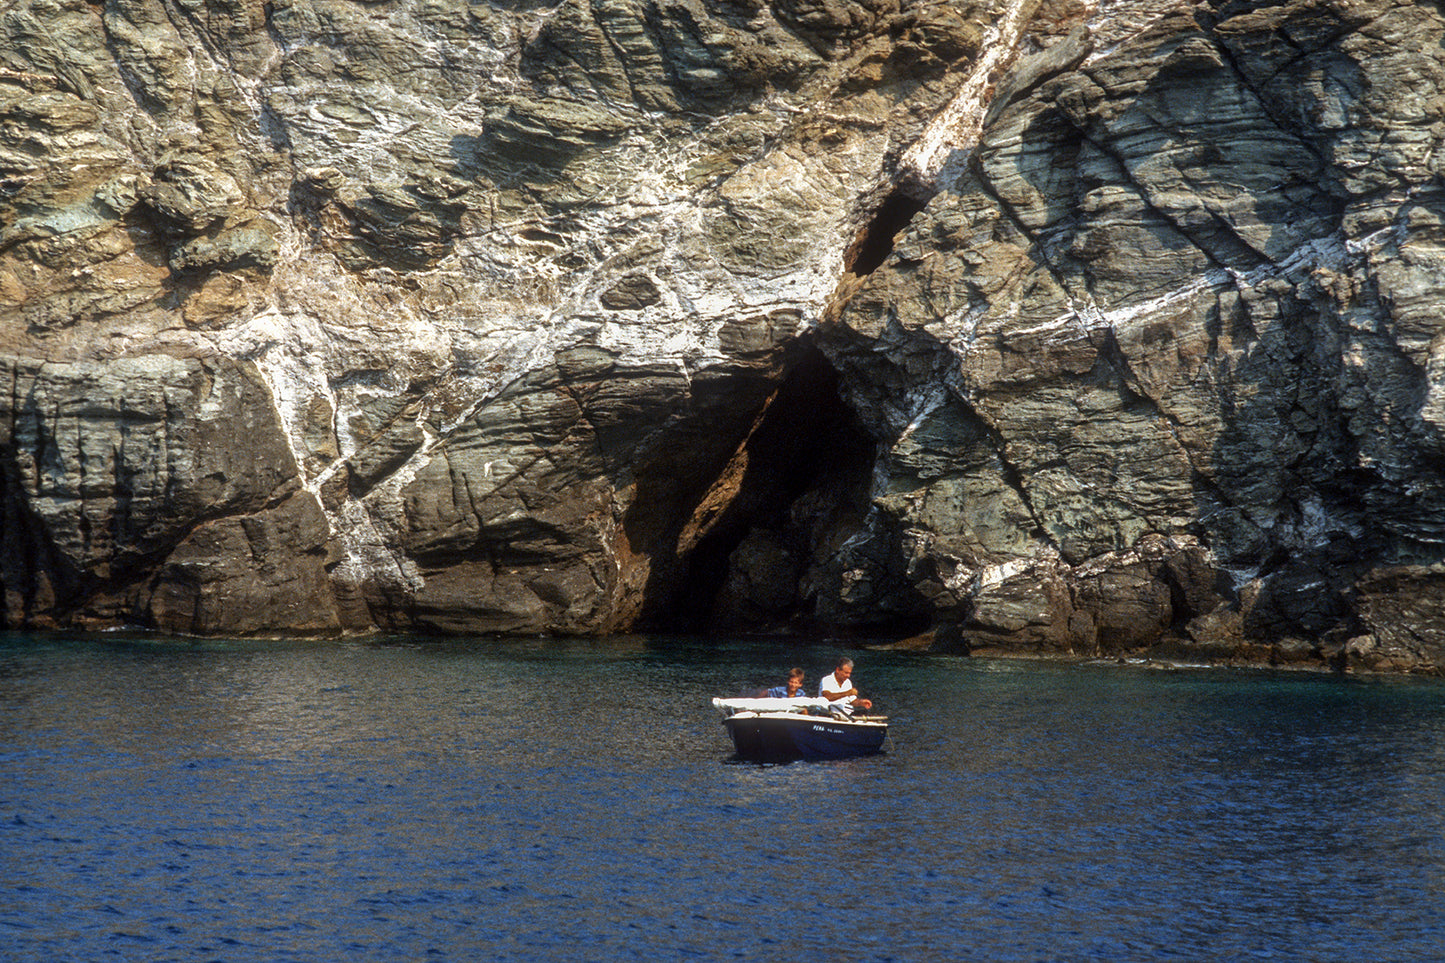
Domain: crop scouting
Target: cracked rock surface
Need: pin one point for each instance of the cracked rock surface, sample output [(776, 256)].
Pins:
[(1010, 325), (1144, 364)]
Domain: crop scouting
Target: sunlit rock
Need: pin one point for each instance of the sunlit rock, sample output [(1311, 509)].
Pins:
[(1019, 326)]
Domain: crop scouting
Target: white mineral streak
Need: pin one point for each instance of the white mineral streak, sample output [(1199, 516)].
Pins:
[(367, 555), (1432, 409), (973, 582), (922, 403), (293, 374), (968, 582), (1111, 22), (1087, 317), (953, 134)]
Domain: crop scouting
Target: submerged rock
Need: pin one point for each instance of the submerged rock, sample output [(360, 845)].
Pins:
[(1020, 326)]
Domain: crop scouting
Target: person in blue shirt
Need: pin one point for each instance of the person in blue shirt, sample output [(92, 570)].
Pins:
[(794, 688)]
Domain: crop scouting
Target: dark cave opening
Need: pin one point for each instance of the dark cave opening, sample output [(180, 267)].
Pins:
[(805, 472), (875, 242)]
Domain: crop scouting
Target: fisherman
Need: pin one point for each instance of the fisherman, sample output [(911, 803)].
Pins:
[(839, 691)]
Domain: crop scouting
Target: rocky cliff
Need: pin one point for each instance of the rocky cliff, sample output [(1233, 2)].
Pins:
[(1018, 325)]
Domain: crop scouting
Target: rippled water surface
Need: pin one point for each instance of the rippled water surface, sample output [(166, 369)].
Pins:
[(537, 801)]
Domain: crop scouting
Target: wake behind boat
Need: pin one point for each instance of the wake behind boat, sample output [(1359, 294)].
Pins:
[(785, 730)]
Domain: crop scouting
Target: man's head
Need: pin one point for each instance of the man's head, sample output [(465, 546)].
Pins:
[(844, 670)]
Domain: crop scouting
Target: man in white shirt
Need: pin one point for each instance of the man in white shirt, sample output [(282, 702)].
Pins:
[(838, 690)]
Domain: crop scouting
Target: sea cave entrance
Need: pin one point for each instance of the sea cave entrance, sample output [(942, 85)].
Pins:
[(796, 487)]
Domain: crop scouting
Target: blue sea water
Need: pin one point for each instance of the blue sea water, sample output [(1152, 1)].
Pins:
[(485, 800)]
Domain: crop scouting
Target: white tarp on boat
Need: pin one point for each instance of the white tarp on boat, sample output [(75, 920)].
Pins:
[(768, 705)]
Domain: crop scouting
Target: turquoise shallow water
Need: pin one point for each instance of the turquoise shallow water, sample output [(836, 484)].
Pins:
[(278, 801)]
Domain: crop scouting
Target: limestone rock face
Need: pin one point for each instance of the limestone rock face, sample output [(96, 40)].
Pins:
[(152, 463), (1165, 320), (1038, 325)]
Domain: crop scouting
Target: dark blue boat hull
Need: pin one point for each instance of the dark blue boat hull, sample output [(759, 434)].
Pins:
[(788, 738)]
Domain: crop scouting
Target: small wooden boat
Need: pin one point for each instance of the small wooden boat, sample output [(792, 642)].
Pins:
[(785, 730)]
